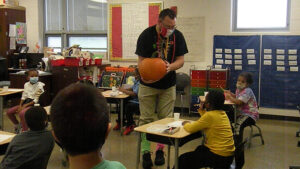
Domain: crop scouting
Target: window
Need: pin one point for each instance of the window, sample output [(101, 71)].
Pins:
[(54, 42), (260, 15), (69, 22)]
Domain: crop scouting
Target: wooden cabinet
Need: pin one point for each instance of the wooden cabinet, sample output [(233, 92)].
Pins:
[(9, 16)]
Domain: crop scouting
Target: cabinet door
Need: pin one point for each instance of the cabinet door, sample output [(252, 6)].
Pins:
[(63, 77)]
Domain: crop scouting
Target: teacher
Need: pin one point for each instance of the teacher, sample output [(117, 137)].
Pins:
[(157, 98)]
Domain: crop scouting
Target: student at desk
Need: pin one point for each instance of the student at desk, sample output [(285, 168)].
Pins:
[(218, 149), (132, 105)]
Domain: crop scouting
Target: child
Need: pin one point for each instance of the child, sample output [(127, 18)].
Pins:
[(132, 105), (30, 149), (246, 103), (32, 91), (80, 121), (218, 149)]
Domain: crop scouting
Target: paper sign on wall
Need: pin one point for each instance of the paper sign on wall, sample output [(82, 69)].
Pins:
[(237, 50), (250, 56), (294, 69), (292, 51), (267, 50), (237, 56), (267, 62), (219, 50), (218, 66), (250, 50), (293, 63), (227, 56), (220, 61), (227, 50), (267, 56), (281, 63), (280, 57), (251, 62), (280, 51), (238, 62), (238, 67), (228, 62), (280, 68), (219, 56), (292, 57)]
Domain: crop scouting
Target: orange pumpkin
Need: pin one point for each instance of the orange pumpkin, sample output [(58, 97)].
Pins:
[(152, 69)]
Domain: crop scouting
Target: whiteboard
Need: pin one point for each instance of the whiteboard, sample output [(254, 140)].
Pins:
[(192, 29)]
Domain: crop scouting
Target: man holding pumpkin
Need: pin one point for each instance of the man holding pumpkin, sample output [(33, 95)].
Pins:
[(157, 97)]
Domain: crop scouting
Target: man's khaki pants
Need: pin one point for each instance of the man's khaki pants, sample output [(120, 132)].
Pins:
[(155, 104)]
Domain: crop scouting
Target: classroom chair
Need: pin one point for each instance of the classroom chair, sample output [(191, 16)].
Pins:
[(182, 81), (252, 135)]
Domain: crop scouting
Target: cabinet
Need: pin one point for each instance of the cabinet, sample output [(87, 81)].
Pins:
[(9, 15)]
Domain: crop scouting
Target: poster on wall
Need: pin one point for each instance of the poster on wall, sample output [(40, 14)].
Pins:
[(21, 33)]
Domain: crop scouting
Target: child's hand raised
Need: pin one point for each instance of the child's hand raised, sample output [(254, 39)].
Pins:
[(185, 122)]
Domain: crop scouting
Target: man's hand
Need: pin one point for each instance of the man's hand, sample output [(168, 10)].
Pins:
[(169, 66)]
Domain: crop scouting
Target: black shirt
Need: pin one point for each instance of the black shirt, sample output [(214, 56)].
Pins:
[(149, 44), (30, 149)]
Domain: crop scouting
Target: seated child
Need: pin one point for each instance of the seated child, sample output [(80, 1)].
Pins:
[(80, 121), (246, 103), (32, 91), (132, 105), (218, 149), (30, 149)]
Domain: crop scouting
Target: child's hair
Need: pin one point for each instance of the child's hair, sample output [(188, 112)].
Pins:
[(31, 70), (35, 118), (79, 117), (215, 99), (247, 76), (85, 81)]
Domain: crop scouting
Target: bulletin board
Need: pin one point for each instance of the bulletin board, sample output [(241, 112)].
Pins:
[(126, 22), (239, 54), (280, 78)]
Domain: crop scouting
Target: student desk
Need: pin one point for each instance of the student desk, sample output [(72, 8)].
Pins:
[(227, 102), (120, 97), (177, 139), (5, 139), (2, 94)]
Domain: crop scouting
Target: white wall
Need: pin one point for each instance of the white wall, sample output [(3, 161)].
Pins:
[(217, 15)]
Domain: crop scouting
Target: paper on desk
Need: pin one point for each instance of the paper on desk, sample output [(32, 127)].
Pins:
[(157, 128), (4, 137), (175, 124)]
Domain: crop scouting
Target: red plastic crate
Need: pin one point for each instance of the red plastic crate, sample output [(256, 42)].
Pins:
[(59, 62), (98, 61), (217, 75), (217, 85), (74, 62)]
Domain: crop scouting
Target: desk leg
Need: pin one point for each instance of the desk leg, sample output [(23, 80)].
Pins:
[(176, 153), (168, 162), (138, 151), (121, 116), (1, 111)]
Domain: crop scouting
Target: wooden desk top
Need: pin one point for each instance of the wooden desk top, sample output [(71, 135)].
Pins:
[(227, 102), (107, 95), (180, 134), (8, 140), (10, 91)]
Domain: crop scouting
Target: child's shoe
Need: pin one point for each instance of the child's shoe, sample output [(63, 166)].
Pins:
[(128, 129), (117, 127)]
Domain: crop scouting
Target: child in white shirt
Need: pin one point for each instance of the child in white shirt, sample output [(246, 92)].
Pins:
[(32, 91)]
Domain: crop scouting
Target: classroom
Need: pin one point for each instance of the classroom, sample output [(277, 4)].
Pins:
[(149, 84)]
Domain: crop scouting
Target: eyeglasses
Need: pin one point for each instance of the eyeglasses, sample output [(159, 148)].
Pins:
[(169, 27)]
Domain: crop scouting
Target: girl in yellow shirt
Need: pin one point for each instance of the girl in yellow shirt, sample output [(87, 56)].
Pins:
[(218, 149)]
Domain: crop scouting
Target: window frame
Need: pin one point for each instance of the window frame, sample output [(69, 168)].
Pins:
[(271, 29), (64, 33), (87, 35)]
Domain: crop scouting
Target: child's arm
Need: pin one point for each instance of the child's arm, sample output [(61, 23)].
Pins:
[(235, 100), (127, 91), (203, 122)]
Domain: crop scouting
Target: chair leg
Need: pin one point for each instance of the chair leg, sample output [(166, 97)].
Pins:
[(260, 134), (181, 99)]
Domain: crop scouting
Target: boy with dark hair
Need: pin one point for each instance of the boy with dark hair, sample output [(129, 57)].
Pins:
[(218, 149), (30, 149), (32, 91), (80, 121)]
